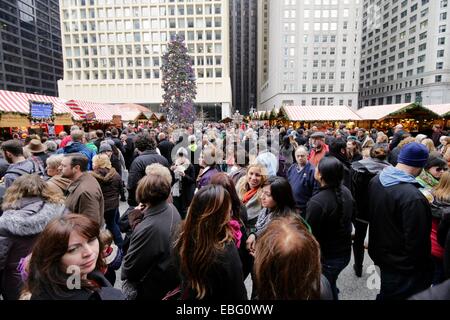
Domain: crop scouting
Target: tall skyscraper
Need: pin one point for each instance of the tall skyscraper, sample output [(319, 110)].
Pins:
[(243, 53), (30, 46), (112, 50), (405, 52), (309, 53)]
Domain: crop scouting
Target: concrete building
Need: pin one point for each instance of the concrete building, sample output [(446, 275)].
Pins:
[(309, 52), (112, 50), (405, 52), (243, 53), (30, 46)]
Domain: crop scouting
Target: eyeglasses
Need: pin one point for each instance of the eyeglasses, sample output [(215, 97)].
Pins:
[(441, 169)]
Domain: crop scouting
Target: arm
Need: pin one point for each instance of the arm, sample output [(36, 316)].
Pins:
[(314, 216), (134, 175), (89, 205)]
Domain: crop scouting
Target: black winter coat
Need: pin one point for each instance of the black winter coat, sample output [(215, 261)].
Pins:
[(439, 292), (332, 229), (400, 227), (148, 263), (165, 147), (137, 172), (444, 235), (362, 172)]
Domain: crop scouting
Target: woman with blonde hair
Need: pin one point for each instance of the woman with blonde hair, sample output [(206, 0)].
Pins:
[(209, 262), (28, 205), (250, 188), (429, 144)]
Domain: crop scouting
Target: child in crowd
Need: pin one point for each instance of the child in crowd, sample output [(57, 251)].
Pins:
[(112, 255)]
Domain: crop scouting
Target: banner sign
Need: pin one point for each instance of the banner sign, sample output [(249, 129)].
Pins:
[(41, 110)]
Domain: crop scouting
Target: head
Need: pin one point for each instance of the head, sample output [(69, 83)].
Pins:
[(157, 169), (338, 146), (436, 165), (208, 157), (29, 186), (105, 148), (379, 151), (287, 262), (68, 244), (62, 135), (51, 146), (224, 180), (420, 138), (360, 133), (444, 140), (145, 142), (256, 175), (101, 161), (161, 136), (100, 134), (153, 190), (204, 234), (106, 238), (74, 165), (437, 128), (53, 164), (301, 156), (277, 196), (398, 128), (74, 128), (382, 137), (329, 172), (182, 153), (12, 150), (442, 191), (429, 144), (412, 158), (77, 135), (114, 132)]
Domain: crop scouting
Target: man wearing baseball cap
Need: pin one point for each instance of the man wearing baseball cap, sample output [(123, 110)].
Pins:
[(400, 226)]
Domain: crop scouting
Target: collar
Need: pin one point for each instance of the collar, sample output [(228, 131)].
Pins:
[(153, 211)]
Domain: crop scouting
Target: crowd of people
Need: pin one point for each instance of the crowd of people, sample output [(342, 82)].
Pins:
[(210, 205)]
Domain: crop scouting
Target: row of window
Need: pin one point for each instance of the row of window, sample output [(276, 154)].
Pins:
[(292, 88), (400, 98), (134, 74)]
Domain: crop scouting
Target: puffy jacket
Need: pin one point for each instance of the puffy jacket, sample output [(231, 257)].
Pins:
[(78, 147), (111, 184), (19, 228)]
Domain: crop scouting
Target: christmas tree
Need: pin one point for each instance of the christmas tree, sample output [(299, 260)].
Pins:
[(178, 83)]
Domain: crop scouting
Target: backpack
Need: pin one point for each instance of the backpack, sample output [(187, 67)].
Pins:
[(38, 168), (360, 179)]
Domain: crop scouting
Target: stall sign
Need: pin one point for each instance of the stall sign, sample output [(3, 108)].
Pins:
[(41, 110)]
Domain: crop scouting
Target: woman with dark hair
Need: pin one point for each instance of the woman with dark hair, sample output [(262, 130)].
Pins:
[(209, 262), (65, 263), (277, 201), (238, 220), (28, 205), (338, 149), (329, 213), (287, 263), (148, 269)]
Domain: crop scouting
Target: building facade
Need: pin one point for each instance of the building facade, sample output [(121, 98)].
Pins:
[(405, 52), (30, 46), (112, 50), (243, 54), (309, 52)]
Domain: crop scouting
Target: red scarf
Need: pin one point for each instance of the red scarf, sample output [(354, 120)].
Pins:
[(249, 195)]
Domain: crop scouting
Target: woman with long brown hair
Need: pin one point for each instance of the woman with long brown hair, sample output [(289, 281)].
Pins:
[(287, 263), (65, 263), (28, 205), (209, 262)]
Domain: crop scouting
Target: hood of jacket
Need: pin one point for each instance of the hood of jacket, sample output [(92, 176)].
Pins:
[(104, 175), (74, 147), (60, 181), (392, 176), (29, 217), (374, 166)]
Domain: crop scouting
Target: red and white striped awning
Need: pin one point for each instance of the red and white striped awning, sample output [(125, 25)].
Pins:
[(103, 112), (320, 113), (11, 101)]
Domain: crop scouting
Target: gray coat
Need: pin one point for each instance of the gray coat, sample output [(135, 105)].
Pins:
[(19, 228)]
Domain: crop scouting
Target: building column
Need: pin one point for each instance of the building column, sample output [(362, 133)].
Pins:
[(226, 110)]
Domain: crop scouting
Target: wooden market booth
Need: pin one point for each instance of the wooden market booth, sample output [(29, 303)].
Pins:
[(414, 117), (443, 110), (322, 117)]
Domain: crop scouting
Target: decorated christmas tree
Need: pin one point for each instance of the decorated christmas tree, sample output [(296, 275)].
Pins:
[(178, 83)]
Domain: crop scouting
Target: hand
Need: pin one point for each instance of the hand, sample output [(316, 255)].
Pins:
[(140, 207), (251, 244)]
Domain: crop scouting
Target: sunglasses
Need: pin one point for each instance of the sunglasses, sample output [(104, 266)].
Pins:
[(441, 169)]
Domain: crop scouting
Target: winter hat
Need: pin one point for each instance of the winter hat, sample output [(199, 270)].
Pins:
[(435, 159), (105, 147), (414, 155)]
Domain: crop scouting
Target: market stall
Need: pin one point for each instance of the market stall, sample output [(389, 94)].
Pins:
[(443, 110), (320, 116), (414, 117)]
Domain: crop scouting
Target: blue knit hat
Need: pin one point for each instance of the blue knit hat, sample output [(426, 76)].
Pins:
[(414, 155)]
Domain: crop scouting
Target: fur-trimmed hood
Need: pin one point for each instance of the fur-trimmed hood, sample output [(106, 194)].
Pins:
[(29, 217), (104, 175)]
